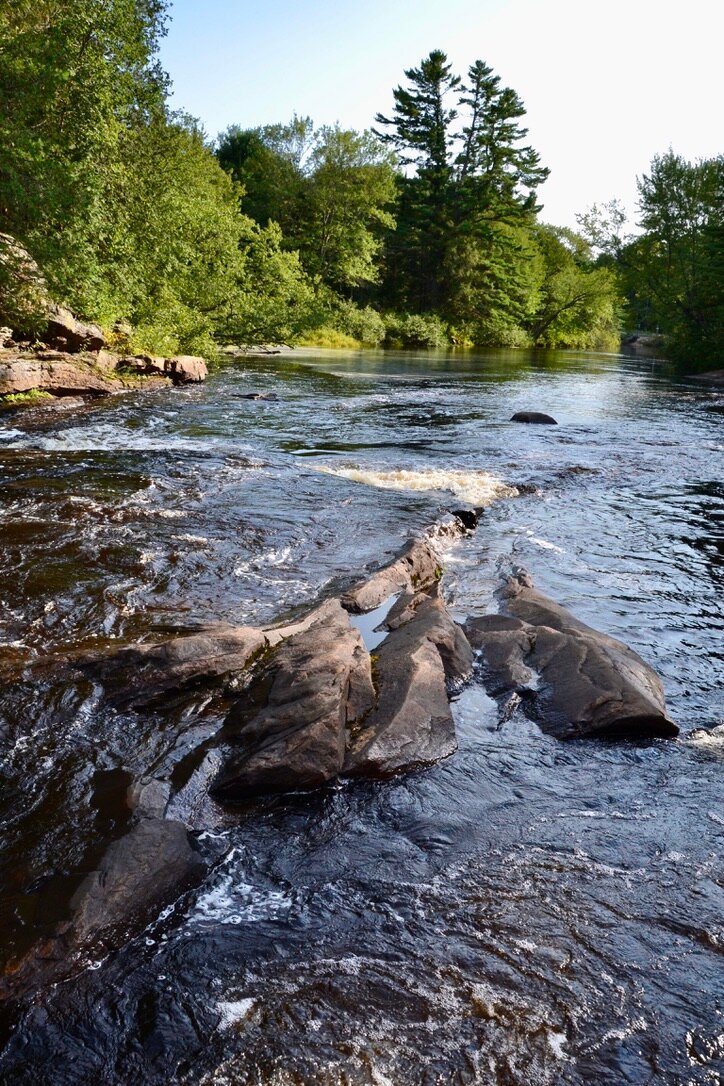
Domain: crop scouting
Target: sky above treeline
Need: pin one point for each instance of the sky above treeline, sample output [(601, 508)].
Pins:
[(606, 85)]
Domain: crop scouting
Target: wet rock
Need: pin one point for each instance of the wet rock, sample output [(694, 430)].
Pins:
[(139, 874), (142, 675), (416, 567), (411, 724), (535, 417), (578, 682), (136, 876), (469, 518), (258, 396), (319, 684)]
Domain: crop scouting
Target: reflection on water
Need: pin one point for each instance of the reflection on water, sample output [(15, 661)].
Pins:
[(525, 912)]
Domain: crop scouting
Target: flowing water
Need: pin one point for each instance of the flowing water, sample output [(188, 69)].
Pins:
[(526, 912)]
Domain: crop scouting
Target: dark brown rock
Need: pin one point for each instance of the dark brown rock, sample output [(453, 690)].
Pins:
[(411, 724), (139, 874), (319, 684), (579, 682), (534, 416), (140, 675)]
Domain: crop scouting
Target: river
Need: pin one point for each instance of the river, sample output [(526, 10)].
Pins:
[(526, 913)]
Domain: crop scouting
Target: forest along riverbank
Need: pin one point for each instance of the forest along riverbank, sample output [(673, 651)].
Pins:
[(527, 907)]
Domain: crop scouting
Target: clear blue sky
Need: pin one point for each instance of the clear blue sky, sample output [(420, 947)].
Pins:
[(606, 85)]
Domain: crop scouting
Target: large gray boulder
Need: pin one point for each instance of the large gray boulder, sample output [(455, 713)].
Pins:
[(319, 685), (576, 681)]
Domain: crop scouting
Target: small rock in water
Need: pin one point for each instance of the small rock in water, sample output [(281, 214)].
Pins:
[(258, 396), (534, 416)]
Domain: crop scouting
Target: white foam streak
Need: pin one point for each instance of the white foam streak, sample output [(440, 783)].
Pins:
[(479, 488)]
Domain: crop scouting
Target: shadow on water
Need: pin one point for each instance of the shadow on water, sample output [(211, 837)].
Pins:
[(527, 911)]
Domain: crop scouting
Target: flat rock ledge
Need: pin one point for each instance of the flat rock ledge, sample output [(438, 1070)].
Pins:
[(91, 373), (575, 682)]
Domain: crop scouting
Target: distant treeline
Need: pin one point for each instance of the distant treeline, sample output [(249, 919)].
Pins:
[(424, 231)]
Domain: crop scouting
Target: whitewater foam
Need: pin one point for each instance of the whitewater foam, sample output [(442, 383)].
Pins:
[(479, 488)]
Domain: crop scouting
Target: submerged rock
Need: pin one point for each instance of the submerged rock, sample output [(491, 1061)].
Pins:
[(534, 416), (577, 681), (140, 873)]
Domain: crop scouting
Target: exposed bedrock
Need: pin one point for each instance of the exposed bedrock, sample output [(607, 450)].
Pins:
[(417, 566), (576, 681), (424, 655), (148, 674), (317, 686)]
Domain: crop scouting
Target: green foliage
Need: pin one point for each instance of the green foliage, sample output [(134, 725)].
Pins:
[(329, 338), (471, 177), (25, 399), (328, 189), (23, 294), (674, 273), (578, 303), (413, 330)]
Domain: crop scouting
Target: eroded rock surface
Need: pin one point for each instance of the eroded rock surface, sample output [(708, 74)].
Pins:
[(141, 675), (411, 724), (319, 686), (416, 567), (577, 681)]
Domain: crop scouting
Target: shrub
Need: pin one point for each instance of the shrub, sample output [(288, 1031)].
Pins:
[(415, 330)]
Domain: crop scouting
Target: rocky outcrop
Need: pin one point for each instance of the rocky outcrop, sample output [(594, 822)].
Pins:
[(318, 686), (143, 675), (417, 566), (535, 417), (182, 369), (99, 373), (67, 333), (61, 375), (576, 681), (411, 724)]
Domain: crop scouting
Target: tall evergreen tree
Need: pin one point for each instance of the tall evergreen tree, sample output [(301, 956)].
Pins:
[(470, 179)]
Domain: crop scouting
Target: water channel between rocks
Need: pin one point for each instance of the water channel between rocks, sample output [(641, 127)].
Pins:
[(527, 911)]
